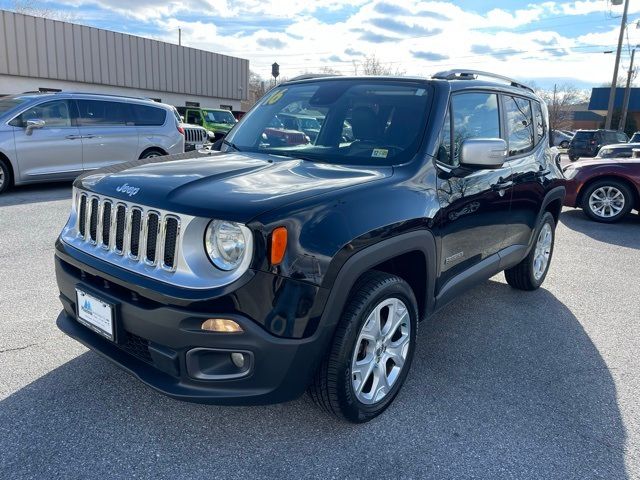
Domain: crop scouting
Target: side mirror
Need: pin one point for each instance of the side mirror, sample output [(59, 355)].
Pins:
[(33, 124), (483, 152)]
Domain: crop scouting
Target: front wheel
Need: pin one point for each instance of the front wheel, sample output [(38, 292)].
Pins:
[(371, 353), (531, 272), (607, 201)]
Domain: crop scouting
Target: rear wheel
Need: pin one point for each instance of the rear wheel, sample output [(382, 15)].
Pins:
[(531, 272), (5, 176), (152, 154), (564, 144), (371, 353), (573, 158), (607, 201)]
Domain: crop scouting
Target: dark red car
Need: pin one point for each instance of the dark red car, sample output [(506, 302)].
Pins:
[(605, 189)]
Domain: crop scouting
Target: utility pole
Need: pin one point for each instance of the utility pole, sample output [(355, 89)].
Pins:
[(612, 93), (627, 94)]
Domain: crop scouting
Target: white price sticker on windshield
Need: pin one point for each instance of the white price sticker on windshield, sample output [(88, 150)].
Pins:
[(379, 153)]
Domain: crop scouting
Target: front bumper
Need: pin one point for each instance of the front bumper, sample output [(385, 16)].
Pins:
[(572, 192), (153, 340)]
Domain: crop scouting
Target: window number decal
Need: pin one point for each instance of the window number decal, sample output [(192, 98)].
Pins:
[(379, 153), (275, 97)]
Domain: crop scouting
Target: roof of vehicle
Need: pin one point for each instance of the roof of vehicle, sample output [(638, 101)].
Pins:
[(73, 94)]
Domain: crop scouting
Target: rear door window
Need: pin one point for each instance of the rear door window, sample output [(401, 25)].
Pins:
[(520, 131), (98, 112), (539, 122), (145, 115)]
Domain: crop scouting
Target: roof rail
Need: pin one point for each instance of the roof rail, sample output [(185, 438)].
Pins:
[(71, 92), (309, 76), (463, 74)]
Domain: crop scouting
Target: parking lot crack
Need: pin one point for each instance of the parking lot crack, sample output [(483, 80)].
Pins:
[(6, 350)]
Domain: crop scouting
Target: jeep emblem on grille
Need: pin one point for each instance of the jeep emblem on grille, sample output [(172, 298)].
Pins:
[(129, 190)]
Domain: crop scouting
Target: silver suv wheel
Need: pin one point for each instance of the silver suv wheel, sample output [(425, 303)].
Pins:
[(543, 251), (381, 351)]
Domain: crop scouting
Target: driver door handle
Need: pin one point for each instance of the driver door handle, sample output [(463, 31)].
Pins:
[(73, 137)]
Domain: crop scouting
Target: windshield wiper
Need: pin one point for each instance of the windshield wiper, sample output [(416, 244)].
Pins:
[(230, 144)]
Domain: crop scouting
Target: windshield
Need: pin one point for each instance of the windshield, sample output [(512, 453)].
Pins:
[(625, 152), (360, 121), (9, 103), (217, 116)]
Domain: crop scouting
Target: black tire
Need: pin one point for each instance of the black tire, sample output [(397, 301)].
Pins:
[(573, 158), (523, 275), (332, 387), (6, 180), (151, 153), (620, 187), (564, 144)]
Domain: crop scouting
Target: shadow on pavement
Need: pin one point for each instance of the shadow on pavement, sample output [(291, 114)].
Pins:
[(504, 384), (42, 192), (625, 233)]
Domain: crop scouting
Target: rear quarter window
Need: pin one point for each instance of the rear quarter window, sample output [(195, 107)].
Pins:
[(147, 116)]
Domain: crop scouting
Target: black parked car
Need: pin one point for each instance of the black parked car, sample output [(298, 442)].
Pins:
[(280, 268), (587, 143)]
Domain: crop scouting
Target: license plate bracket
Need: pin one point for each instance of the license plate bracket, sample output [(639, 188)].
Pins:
[(96, 314)]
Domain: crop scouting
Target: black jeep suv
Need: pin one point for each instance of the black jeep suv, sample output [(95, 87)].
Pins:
[(253, 274)]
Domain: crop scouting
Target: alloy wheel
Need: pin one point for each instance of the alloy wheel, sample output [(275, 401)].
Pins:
[(1, 178), (606, 202), (381, 351), (542, 251)]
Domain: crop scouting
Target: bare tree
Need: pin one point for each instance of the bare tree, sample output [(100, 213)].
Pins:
[(33, 8), (257, 88), (371, 65), (559, 102)]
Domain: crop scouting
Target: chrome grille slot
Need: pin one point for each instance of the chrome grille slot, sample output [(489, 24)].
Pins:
[(135, 229), (171, 232), (106, 223), (82, 215), (152, 230), (93, 220), (121, 214)]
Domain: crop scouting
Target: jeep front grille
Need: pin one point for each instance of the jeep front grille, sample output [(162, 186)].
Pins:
[(133, 231), (195, 135)]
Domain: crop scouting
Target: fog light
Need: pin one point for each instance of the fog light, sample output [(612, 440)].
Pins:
[(238, 359), (221, 325)]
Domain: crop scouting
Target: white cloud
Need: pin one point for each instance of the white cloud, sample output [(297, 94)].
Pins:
[(521, 42)]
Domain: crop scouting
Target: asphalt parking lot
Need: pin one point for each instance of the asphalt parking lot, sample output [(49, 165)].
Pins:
[(505, 384)]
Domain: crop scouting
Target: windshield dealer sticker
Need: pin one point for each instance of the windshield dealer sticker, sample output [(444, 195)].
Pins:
[(275, 97), (379, 153)]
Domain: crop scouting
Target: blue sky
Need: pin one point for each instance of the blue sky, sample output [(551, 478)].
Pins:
[(542, 41)]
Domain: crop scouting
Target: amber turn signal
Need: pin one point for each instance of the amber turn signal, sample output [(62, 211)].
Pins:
[(278, 245), (223, 325)]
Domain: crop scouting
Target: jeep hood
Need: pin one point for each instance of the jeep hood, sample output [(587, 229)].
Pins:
[(230, 186)]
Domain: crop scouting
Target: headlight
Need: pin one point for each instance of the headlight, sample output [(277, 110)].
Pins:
[(226, 243)]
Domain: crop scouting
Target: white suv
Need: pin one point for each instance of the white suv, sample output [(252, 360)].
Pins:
[(57, 136)]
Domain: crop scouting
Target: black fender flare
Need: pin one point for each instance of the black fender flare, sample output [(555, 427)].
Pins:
[(556, 193), (418, 240)]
